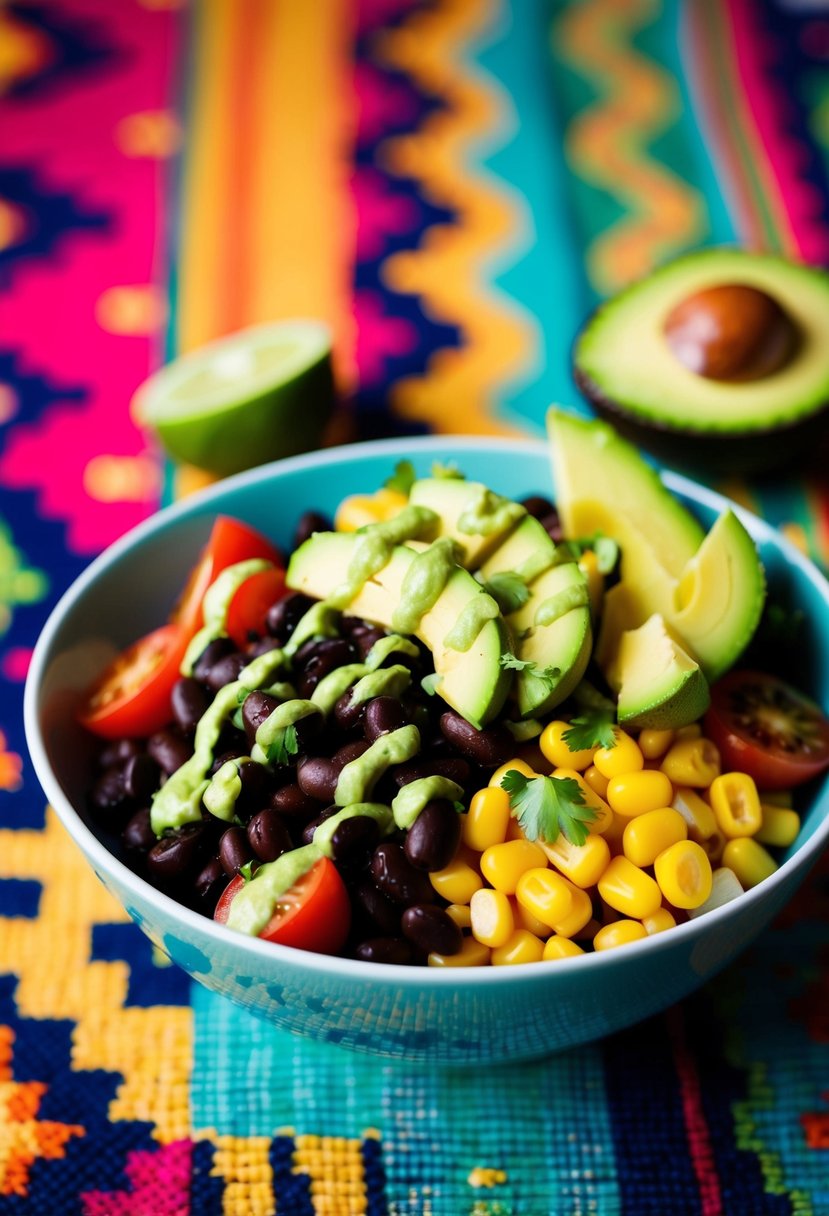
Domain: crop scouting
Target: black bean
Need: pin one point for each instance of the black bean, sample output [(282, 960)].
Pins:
[(352, 626), (365, 639), (141, 778), (327, 656), (552, 526), (225, 671), (350, 751), (433, 838), (451, 767), (284, 616), (354, 838), (109, 791), (309, 829), (537, 506), (348, 713), (189, 701), (256, 707), (212, 653), (259, 647), (209, 885), (117, 752), (174, 855), (234, 849), (384, 950), (317, 776), (138, 835), (309, 523), (222, 758), (430, 928), (370, 902), (292, 802), (169, 750), (489, 748), (397, 877), (267, 835), (383, 714)]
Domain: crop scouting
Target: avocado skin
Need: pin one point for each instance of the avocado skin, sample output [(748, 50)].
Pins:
[(753, 452)]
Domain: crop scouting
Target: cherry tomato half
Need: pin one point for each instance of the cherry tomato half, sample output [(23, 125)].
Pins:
[(764, 727), (313, 914), (250, 604), (132, 696)]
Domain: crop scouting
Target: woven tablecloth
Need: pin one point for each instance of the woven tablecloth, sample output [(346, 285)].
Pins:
[(453, 184)]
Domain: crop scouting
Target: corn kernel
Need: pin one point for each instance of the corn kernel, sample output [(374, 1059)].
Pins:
[(517, 763), (603, 814), (596, 780), (492, 919), (522, 947), (648, 835), (558, 752), (589, 567), (683, 873), (545, 894), (460, 914), (457, 883), (623, 757), (583, 864), (736, 804), (694, 762), (635, 793), (749, 861), (659, 921), (503, 864), (628, 889), (361, 509), (580, 914), (692, 731), (560, 947), (725, 886), (471, 954), (779, 827), (524, 919), (701, 821), (654, 743), (620, 933), (487, 819)]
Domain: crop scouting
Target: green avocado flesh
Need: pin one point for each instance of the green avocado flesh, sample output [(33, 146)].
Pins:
[(660, 686), (470, 514), (622, 358)]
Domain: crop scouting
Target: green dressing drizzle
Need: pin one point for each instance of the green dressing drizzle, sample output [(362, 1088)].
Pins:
[(223, 790), (324, 835), (392, 644), (320, 621), (477, 611), (558, 605), (373, 549), (387, 682), (255, 903), (487, 512), (358, 779), (331, 687), (216, 605), (413, 797), (423, 584)]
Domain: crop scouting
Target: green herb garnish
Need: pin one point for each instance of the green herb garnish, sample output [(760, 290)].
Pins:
[(592, 728), (403, 477), (248, 870), (548, 675), (509, 591), (604, 547), (284, 747), (447, 472), (547, 806)]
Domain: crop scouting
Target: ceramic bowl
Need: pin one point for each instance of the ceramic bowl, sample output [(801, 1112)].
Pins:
[(483, 1015)]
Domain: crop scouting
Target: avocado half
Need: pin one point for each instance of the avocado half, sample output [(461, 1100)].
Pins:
[(625, 367)]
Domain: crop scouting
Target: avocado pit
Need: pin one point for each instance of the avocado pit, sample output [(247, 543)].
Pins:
[(731, 332)]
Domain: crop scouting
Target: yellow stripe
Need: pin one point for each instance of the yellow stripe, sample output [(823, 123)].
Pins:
[(244, 1164), (336, 1179)]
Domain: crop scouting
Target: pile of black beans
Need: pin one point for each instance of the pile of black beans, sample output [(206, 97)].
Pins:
[(397, 917)]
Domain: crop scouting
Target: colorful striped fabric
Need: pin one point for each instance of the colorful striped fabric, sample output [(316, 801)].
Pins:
[(453, 185)]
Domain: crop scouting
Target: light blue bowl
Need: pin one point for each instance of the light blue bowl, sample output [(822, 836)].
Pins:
[(460, 1016)]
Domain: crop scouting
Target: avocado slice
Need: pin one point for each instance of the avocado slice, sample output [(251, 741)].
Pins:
[(475, 517), (660, 686), (526, 551), (472, 681), (629, 371)]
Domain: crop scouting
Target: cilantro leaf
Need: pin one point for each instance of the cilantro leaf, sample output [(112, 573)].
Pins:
[(511, 662), (447, 472), (548, 675), (284, 746), (403, 477), (429, 683), (248, 870), (587, 696), (604, 547), (591, 728), (509, 591), (459, 807), (547, 806)]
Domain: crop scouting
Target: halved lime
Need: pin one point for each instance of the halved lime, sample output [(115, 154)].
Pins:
[(254, 396)]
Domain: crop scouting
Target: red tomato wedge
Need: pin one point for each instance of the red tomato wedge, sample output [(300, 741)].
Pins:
[(250, 604), (764, 727), (132, 696), (313, 914)]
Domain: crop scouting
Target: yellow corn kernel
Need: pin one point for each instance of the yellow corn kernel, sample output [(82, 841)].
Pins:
[(604, 815), (517, 763), (522, 947), (583, 864), (492, 919), (596, 780), (487, 819), (620, 933), (594, 578), (624, 757), (635, 793), (736, 804), (654, 743), (361, 509), (580, 914), (683, 873), (558, 752), (524, 919), (545, 894), (694, 762), (457, 883), (748, 860), (471, 954), (692, 731), (779, 827), (648, 835), (503, 864), (701, 821), (778, 798), (659, 921), (628, 889), (461, 915), (560, 947)]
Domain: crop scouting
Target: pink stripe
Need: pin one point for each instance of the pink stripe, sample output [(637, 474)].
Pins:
[(770, 108), (696, 1127)]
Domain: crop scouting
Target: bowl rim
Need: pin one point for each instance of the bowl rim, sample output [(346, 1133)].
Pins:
[(344, 969)]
